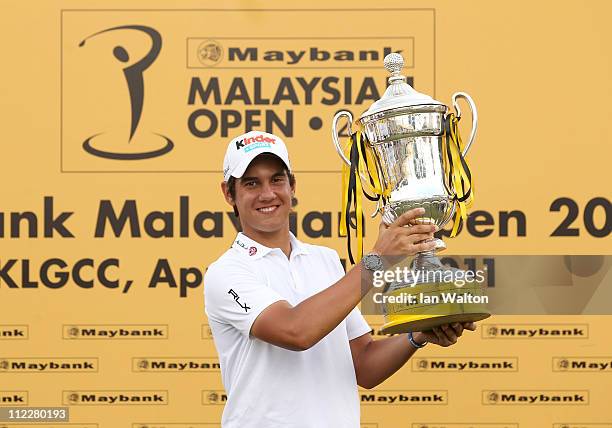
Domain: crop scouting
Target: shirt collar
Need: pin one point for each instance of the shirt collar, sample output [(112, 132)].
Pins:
[(255, 250), (297, 247)]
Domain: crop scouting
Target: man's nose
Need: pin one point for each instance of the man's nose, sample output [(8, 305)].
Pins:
[(266, 191)]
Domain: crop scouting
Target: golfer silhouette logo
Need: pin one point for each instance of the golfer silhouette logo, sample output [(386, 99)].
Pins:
[(134, 76)]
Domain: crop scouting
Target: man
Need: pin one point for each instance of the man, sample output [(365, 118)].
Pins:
[(292, 345)]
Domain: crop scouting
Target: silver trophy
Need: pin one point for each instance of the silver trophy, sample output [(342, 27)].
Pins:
[(405, 132)]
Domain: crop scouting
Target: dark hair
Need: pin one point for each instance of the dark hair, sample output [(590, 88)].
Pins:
[(231, 188)]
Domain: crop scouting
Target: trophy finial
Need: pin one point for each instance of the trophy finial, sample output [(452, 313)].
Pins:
[(394, 63)]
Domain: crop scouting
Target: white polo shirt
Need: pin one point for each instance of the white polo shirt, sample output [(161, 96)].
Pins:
[(269, 386)]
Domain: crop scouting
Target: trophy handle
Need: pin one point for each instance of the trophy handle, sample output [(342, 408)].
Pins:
[(335, 133), (349, 116), (470, 102)]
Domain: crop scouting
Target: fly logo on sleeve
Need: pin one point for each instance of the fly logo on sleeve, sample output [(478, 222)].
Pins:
[(237, 298)]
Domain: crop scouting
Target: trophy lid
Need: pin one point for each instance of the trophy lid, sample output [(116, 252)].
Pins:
[(399, 93)]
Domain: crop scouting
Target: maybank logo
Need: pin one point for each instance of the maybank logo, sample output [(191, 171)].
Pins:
[(112, 331), (582, 364), (535, 397), (13, 332), (103, 398), (464, 425), (281, 52), (13, 398), (175, 364), (401, 397), (465, 364), (535, 331), (213, 397), (48, 365)]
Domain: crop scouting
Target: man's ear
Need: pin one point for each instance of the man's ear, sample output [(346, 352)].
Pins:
[(294, 200), (226, 193)]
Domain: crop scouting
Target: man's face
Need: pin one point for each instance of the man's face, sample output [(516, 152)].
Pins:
[(263, 196)]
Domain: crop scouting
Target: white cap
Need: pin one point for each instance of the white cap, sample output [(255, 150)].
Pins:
[(243, 149)]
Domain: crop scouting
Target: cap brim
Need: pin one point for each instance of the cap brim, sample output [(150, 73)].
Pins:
[(238, 172)]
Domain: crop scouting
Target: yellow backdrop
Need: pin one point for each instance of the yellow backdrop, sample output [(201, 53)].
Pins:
[(91, 309)]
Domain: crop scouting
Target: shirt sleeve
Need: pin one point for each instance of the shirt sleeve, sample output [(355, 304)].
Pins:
[(233, 294), (356, 325)]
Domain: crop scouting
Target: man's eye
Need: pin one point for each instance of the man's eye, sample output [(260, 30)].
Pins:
[(279, 179), (249, 184)]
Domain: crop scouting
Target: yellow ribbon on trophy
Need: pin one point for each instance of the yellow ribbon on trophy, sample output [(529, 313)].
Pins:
[(362, 165), (458, 181)]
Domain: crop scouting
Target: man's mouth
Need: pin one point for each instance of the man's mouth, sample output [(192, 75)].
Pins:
[(267, 210)]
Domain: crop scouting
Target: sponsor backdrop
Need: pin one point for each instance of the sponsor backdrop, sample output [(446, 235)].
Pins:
[(114, 123)]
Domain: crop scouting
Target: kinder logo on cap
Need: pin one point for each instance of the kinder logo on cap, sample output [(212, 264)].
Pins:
[(257, 146), (256, 139)]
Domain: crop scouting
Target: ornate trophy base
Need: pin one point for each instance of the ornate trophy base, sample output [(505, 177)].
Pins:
[(430, 299), (406, 323)]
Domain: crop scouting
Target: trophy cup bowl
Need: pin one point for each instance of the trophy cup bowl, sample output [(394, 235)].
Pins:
[(405, 133)]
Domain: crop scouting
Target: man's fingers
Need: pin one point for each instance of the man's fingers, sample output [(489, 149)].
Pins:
[(408, 217), (418, 237), (469, 326), (450, 333), (458, 327), (438, 333), (422, 246), (419, 228), (442, 339)]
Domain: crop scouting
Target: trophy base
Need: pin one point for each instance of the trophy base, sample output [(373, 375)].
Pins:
[(407, 323), (434, 295)]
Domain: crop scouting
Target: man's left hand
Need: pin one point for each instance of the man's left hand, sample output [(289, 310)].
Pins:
[(444, 335)]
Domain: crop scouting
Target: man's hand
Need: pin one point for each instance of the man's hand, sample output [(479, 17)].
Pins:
[(444, 335), (404, 237)]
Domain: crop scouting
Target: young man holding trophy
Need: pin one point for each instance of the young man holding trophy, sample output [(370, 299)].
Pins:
[(292, 345)]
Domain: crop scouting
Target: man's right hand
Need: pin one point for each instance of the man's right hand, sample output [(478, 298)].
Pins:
[(404, 237)]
